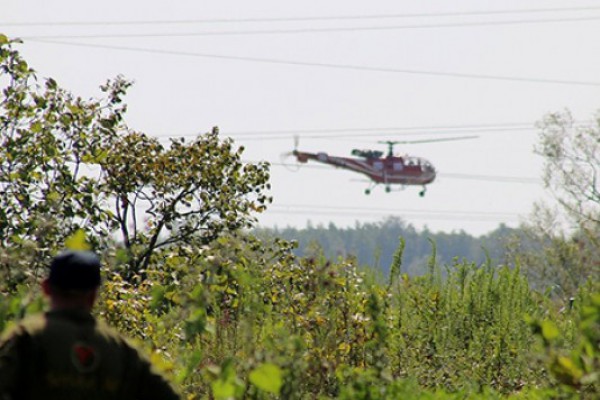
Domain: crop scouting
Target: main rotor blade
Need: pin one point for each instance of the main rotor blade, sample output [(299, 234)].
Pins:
[(393, 142)]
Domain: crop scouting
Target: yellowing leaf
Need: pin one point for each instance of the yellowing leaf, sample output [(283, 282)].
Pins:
[(549, 330), (223, 390), (77, 241), (267, 377), (344, 348)]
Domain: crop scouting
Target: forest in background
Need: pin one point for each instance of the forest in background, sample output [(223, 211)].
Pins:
[(374, 244), (228, 315)]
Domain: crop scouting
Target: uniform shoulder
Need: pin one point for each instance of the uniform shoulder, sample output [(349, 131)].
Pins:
[(112, 334), (104, 328), (28, 325), (24, 329)]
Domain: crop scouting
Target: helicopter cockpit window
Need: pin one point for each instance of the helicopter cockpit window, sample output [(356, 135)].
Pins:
[(398, 166), (426, 166), (378, 165)]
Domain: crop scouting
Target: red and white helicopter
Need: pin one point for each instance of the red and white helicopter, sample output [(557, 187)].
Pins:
[(389, 170)]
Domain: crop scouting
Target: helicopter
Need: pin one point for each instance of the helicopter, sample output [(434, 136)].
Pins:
[(387, 170)]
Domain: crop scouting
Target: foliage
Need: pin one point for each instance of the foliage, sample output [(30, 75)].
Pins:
[(578, 368), (46, 137), (557, 262), (554, 257), (572, 168), (69, 164), (241, 318), (191, 192)]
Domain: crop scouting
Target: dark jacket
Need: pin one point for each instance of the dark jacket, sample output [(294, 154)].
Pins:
[(70, 355)]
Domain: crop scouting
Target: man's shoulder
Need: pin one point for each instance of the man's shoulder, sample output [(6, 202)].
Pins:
[(110, 332), (30, 324), (34, 322), (23, 329)]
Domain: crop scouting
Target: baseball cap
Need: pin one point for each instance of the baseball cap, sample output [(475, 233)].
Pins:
[(75, 270)]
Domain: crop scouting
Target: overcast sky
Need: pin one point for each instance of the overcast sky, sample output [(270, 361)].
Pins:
[(340, 75)]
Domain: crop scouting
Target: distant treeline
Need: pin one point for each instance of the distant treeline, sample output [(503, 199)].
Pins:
[(374, 244)]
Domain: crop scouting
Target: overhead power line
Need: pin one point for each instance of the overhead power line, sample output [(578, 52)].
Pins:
[(491, 178), (408, 214), (393, 210), (445, 175), (327, 65), (373, 134), (453, 128), (301, 19), (324, 133), (427, 217), (307, 30)]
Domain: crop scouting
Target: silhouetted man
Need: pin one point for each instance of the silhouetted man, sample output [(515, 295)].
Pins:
[(65, 353)]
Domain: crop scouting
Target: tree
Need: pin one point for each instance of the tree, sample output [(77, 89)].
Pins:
[(556, 258), (47, 135), (189, 191), (68, 163), (572, 165)]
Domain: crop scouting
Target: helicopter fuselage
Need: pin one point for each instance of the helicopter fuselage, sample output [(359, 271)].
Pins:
[(386, 170)]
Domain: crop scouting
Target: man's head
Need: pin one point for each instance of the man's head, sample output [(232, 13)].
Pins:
[(73, 280)]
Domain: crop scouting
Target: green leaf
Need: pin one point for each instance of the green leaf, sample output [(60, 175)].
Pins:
[(101, 156), (36, 127), (53, 196), (223, 389), (157, 296), (3, 39), (77, 241), (549, 330), (267, 377), (194, 360)]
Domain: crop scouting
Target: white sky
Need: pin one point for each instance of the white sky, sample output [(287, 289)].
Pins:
[(337, 78)]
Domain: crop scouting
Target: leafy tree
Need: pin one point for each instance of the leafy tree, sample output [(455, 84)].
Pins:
[(69, 163), (189, 191), (572, 165), (553, 257), (47, 135)]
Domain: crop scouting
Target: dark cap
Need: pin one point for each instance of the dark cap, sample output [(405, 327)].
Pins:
[(75, 270)]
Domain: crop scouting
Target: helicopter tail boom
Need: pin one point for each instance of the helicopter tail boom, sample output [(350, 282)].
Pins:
[(303, 157)]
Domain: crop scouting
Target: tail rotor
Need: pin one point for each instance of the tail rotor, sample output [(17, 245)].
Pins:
[(285, 157)]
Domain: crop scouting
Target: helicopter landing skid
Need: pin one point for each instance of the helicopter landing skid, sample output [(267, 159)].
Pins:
[(368, 190), (389, 189)]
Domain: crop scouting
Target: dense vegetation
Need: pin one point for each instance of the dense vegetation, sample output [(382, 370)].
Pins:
[(229, 316)]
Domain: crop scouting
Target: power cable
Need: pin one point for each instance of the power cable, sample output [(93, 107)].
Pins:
[(307, 30), (491, 178), (328, 65), (301, 19), (375, 213), (372, 132), (375, 134), (445, 175), (416, 211)]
